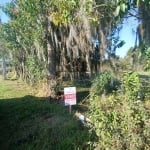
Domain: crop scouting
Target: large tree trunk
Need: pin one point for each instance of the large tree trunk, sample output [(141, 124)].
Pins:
[(51, 61), (102, 47), (144, 27), (52, 82)]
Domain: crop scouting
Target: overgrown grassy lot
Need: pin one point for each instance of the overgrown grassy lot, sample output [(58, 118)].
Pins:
[(28, 123)]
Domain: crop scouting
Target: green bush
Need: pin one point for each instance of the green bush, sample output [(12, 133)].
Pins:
[(101, 83), (104, 83), (120, 122), (131, 84)]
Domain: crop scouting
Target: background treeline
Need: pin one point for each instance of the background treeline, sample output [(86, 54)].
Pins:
[(69, 38)]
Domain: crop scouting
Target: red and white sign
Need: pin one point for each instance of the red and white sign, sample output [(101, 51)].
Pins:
[(70, 96)]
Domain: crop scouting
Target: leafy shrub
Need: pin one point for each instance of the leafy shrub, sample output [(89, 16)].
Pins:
[(120, 123), (101, 83), (131, 84), (104, 83)]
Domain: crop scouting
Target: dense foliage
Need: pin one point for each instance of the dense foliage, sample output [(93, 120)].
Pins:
[(131, 84), (102, 83), (57, 33), (120, 121)]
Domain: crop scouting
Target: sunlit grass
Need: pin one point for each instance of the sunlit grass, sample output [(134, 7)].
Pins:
[(13, 89)]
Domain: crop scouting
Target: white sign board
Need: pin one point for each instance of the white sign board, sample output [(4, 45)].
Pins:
[(70, 96)]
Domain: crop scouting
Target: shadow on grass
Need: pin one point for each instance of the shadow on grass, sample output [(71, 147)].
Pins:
[(35, 123)]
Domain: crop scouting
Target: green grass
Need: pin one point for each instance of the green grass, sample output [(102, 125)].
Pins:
[(28, 123), (11, 89)]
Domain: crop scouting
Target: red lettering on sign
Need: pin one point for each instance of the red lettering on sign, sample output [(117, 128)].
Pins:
[(70, 96)]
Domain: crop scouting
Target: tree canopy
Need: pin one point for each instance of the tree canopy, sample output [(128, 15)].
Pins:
[(55, 38)]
